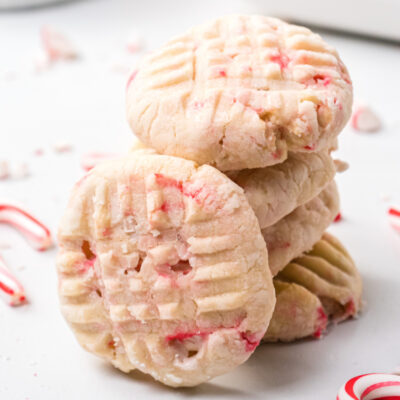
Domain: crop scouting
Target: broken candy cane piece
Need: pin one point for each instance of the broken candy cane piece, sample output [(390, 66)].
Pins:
[(4, 170), (56, 45), (394, 217), (134, 43), (62, 147), (364, 119), (338, 217), (371, 386), (34, 231), (10, 288), (90, 160)]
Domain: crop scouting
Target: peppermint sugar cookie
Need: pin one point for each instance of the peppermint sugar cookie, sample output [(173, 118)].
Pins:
[(240, 92), (162, 267), (274, 192), (320, 286), (298, 231)]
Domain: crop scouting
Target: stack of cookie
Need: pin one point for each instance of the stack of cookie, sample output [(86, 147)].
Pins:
[(170, 256), (263, 101)]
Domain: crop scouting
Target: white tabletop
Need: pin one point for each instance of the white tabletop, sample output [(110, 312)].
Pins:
[(82, 103)]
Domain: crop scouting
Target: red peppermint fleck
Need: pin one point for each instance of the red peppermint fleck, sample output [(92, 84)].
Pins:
[(181, 336), (338, 217), (131, 78), (222, 73), (250, 341), (281, 59), (322, 321), (350, 308), (322, 79)]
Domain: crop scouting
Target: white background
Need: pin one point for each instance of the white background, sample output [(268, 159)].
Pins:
[(83, 103)]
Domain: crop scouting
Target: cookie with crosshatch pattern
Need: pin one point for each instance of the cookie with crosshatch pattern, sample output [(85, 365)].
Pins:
[(321, 285), (162, 267), (298, 231), (240, 92), (274, 192)]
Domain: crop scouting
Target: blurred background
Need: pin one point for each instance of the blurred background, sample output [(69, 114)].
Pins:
[(58, 107)]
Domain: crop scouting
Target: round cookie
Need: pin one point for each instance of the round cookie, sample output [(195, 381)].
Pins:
[(240, 92), (163, 268), (273, 192), (322, 285), (299, 230)]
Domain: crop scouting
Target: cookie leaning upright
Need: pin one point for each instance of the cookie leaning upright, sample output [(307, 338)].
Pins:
[(163, 268), (240, 92)]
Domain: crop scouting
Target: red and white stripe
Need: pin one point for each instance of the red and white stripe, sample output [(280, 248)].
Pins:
[(371, 387), (10, 288), (394, 217), (37, 234)]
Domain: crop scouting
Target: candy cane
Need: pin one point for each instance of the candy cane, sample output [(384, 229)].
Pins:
[(371, 387), (10, 288), (34, 231), (394, 218)]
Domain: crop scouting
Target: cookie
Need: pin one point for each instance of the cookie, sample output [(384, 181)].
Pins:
[(273, 192), (299, 230), (240, 92), (298, 314), (320, 286), (163, 268)]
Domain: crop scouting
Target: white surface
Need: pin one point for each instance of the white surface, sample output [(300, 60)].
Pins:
[(83, 103)]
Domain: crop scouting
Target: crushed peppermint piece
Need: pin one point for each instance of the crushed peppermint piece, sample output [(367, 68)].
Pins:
[(134, 43), (62, 147), (90, 160), (4, 170), (364, 119), (38, 152), (338, 217), (56, 45)]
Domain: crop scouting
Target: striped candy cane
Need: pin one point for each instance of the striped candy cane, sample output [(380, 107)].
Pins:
[(10, 288), (33, 230), (394, 218), (371, 387)]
